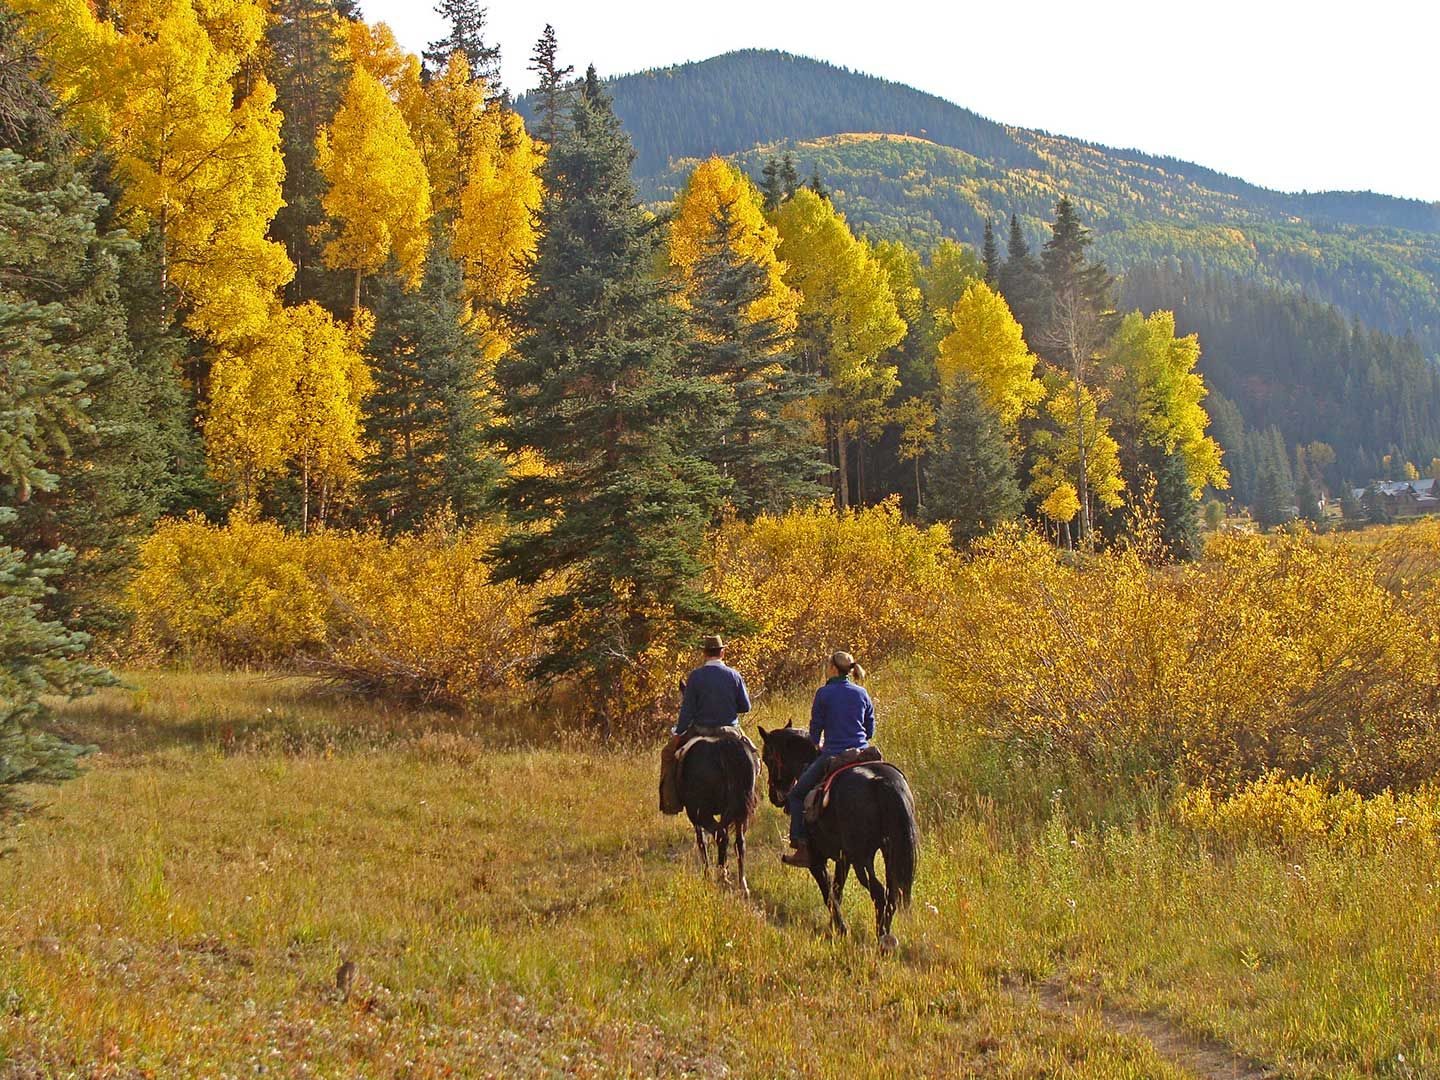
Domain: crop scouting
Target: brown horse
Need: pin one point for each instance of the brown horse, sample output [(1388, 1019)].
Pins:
[(718, 780)]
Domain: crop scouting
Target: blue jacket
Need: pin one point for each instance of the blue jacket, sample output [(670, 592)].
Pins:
[(842, 716), (715, 696)]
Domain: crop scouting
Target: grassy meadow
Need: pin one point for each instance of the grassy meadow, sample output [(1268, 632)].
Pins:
[(515, 906)]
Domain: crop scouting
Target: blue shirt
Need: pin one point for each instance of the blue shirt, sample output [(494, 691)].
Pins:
[(715, 696), (842, 716)]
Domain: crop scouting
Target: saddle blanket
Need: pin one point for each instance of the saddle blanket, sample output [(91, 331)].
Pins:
[(819, 796), (699, 734)]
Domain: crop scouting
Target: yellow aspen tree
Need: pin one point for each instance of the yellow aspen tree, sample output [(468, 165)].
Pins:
[(196, 147), (458, 127), (494, 234), (379, 193), (987, 346), (331, 380), (715, 185), (951, 269), (1055, 449), (848, 317), (290, 402), (1160, 392)]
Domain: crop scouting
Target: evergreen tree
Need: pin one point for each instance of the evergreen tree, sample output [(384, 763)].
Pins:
[(991, 255), (550, 90), (307, 63), (1307, 501), (817, 185), (789, 177), (757, 438), (971, 477), (132, 438), (60, 334), (424, 417), (1175, 501), (773, 186), (596, 387), (466, 34), (1022, 284), (1079, 319), (1274, 486)]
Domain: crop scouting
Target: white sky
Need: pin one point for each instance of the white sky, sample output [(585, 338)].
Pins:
[(1293, 95)]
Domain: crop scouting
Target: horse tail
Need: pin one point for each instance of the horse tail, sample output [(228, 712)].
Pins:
[(900, 838), (741, 788)]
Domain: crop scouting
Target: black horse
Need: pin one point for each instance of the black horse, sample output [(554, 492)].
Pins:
[(871, 810), (718, 781)]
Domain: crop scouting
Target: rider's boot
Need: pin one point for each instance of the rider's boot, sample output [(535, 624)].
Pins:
[(799, 857)]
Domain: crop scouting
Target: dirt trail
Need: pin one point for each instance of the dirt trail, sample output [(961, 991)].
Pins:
[(1203, 1057)]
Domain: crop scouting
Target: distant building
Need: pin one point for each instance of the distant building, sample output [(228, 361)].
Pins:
[(1403, 498)]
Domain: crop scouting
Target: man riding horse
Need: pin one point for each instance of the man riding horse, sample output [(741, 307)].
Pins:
[(715, 696)]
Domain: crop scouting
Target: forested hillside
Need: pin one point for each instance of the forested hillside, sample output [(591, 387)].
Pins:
[(1376, 257)]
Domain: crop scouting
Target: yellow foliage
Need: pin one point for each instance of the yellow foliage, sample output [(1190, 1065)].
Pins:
[(812, 581), (494, 236), (715, 185), (1162, 390), (290, 399), (198, 162), (417, 615), (1281, 652), (379, 191), (1300, 814), (987, 346), (1057, 447)]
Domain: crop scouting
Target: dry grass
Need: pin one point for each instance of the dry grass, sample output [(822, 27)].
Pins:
[(518, 908)]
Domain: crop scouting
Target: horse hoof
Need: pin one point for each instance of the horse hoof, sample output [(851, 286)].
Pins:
[(889, 943)]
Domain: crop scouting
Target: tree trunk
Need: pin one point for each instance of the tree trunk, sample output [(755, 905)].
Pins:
[(355, 298), (842, 453), (305, 494), (1084, 485), (919, 505)]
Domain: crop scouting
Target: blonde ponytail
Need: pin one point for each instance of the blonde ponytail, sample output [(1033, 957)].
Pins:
[(844, 663)]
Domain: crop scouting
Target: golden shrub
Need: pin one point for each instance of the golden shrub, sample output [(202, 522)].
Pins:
[(813, 581), (416, 616), (1299, 813), (1272, 653)]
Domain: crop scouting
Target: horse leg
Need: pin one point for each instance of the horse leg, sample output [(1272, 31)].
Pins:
[(878, 895), (704, 854), (740, 858), (822, 879), (722, 847), (837, 893)]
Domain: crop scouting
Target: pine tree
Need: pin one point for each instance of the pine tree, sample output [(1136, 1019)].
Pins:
[(772, 187), (551, 88), (817, 185), (1022, 284), (306, 62), (757, 437), (425, 419), (60, 336), (991, 256), (1307, 502), (1176, 503), (971, 477), (595, 387), (465, 20), (789, 177), (1078, 322)]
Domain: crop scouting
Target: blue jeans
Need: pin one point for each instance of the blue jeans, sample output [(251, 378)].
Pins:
[(796, 800)]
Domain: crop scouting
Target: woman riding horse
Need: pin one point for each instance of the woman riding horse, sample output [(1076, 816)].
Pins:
[(842, 717)]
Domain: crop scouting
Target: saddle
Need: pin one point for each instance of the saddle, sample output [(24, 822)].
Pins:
[(703, 733), (819, 796)]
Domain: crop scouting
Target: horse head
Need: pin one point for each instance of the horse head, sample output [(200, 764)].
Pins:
[(786, 752)]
